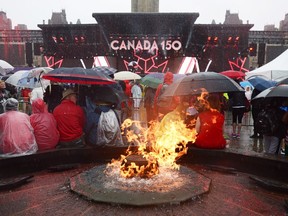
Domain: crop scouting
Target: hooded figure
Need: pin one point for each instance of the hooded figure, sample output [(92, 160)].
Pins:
[(45, 126), (16, 133), (136, 94)]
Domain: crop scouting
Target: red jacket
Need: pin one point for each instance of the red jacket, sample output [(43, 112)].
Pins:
[(70, 120), (45, 126), (210, 135)]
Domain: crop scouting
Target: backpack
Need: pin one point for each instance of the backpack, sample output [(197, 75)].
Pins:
[(267, 122), (108, 130)]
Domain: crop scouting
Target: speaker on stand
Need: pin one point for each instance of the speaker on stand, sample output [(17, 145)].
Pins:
[(261, 54), (29, 56)]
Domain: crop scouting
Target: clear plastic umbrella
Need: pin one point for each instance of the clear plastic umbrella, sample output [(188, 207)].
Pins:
[(14, 78), (5, 67), (34, 78)]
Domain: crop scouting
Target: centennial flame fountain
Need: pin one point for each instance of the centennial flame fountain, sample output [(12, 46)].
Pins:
[(148, 174)]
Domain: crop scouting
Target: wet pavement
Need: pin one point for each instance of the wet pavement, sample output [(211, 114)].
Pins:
[(245, 144)]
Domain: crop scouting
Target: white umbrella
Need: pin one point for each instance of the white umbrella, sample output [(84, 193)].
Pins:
[(34, 78), (33, 82), (14, 78), (39, 71), (5, 67), (126, 75)]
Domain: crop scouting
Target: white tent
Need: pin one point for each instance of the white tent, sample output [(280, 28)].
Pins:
[(274, 69)]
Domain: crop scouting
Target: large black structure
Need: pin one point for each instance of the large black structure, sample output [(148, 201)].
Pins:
[(14, 43), (125, 37)]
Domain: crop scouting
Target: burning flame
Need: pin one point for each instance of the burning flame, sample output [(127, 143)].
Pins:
[(160, 145), (154, 151)]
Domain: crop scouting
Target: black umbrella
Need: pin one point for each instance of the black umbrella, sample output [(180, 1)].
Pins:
[(282, 81), (108, 94), (276, 91), (105, 70), (202, 82), (78, 75)]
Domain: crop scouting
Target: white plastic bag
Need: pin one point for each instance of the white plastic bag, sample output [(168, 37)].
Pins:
[(108, 130)]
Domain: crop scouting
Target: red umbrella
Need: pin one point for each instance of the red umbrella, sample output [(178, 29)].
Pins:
[(233, 74)]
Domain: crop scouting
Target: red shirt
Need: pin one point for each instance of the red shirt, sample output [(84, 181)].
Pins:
[(26, 92), (211, 130), (70, 120)]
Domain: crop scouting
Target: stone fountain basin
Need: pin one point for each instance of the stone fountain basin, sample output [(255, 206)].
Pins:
[(92, 185)]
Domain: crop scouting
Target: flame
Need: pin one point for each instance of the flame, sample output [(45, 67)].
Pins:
[(161, 145)]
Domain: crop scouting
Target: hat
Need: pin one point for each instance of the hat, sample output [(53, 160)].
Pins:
[(11, 104), (67, 92)]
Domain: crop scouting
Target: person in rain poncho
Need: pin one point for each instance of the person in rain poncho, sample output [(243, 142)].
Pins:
[(3, 95), (45, 126), (16, 133), (248, 93), (136, 94)]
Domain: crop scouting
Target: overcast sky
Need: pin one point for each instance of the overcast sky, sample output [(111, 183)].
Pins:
[(33, 12)]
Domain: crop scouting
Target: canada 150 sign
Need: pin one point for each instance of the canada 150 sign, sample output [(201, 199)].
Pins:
[(145, 45)]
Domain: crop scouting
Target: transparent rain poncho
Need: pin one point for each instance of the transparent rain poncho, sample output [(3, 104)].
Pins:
[(16, 134), (108, 130)]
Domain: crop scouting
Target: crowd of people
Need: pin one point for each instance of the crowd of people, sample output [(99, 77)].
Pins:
[(75, 116), (64, 116)]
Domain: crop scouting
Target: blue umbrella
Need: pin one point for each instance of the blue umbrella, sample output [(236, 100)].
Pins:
[(246, 83), (261, 83)]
